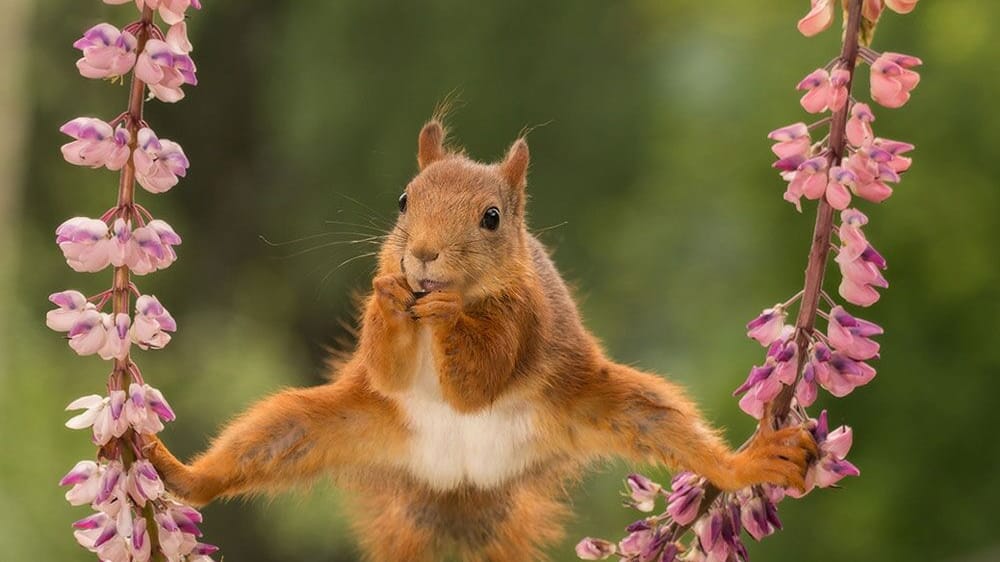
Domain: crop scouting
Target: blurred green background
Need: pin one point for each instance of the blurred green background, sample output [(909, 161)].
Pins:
[(653, 161)]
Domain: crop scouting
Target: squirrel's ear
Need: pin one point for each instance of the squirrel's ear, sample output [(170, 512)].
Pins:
[(430, 144), (514, 167)]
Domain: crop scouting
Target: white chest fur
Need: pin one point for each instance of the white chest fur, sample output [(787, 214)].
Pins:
[(448, 448)]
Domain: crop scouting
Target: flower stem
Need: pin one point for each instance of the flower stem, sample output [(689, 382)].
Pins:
[(121, 285), (819, 252)]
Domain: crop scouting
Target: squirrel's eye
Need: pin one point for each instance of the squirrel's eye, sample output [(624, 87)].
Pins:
[(491, 219), (402, 203)]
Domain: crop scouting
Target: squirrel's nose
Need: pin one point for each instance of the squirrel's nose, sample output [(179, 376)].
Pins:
[(424, 253)]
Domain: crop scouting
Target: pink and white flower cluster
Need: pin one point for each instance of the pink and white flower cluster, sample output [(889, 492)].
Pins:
[(119, 530), (109, 335), (90, 245), (847, 164), (164, 63), (133, 520), (159, 163)]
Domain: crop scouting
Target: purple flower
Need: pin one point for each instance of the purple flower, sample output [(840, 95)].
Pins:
[(158, 162), (107, 52), (104, 414), (642, 492), (171, 11), (85, 478), (143, 483), (640, 537), (152, 322), (593, 549), (759, 517), (96, 145), (832, 465), (685, 498), (146, 409), (765, 382), (153, 247), (860, 264), (841, 374), (85, 243), (72, 305), (165, 67), (768, 326), (851, 336)]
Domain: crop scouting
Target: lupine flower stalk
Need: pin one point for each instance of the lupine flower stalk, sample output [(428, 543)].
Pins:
[(848, 166), (134, 519)]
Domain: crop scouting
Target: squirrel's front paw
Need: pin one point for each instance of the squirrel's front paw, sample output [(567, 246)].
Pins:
[(778, 457), (441, 308), (393, 295)]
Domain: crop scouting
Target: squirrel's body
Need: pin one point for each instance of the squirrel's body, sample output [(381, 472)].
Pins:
[(475, 393)]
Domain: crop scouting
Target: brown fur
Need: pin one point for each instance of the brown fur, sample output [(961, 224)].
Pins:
[(503, 326)]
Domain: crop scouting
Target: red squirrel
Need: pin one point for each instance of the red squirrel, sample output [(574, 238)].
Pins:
[(474, 394)]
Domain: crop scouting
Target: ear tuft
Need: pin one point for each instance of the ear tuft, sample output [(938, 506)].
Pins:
[(430, 144), (514, 167)]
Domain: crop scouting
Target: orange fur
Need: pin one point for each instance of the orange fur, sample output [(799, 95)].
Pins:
[(508, 350)]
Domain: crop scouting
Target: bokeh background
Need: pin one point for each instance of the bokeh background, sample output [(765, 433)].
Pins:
[(650, 178)]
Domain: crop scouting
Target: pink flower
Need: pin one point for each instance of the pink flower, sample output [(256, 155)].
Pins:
[(718, 534), (759, 517), (818, 18), (172, 11), (595, 549), (872, 10), (143, 483), (642, 491), (101, 333), (806, 389), (892, 80), (841, 374), (825, 90), (640, 537), (107, 52), (860, 264), (153, 247), (96, 144), (139, 543), (894, 149), (838, 190), (102, 535), (146, 409), (85, 244), (809, 179), (158, 163), (72, 305), (901, 6), (104, 414), (685, 497), (165, 66), (152, 322), (768, 326), (861, 276), (792, 140), (766, 381), (178, 529), (85, 478), (852, 336), (831, 466), (859, 128)]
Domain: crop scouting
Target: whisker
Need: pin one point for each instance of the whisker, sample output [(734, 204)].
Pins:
[(323, 281)]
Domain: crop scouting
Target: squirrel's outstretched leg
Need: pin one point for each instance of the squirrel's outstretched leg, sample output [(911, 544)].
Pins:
[(286, 438), (641, 417)]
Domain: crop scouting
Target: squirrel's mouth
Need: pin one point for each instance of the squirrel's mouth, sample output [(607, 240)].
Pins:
[(429, 285)]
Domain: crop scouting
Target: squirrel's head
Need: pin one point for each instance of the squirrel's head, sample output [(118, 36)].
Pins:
[(461, 223)]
